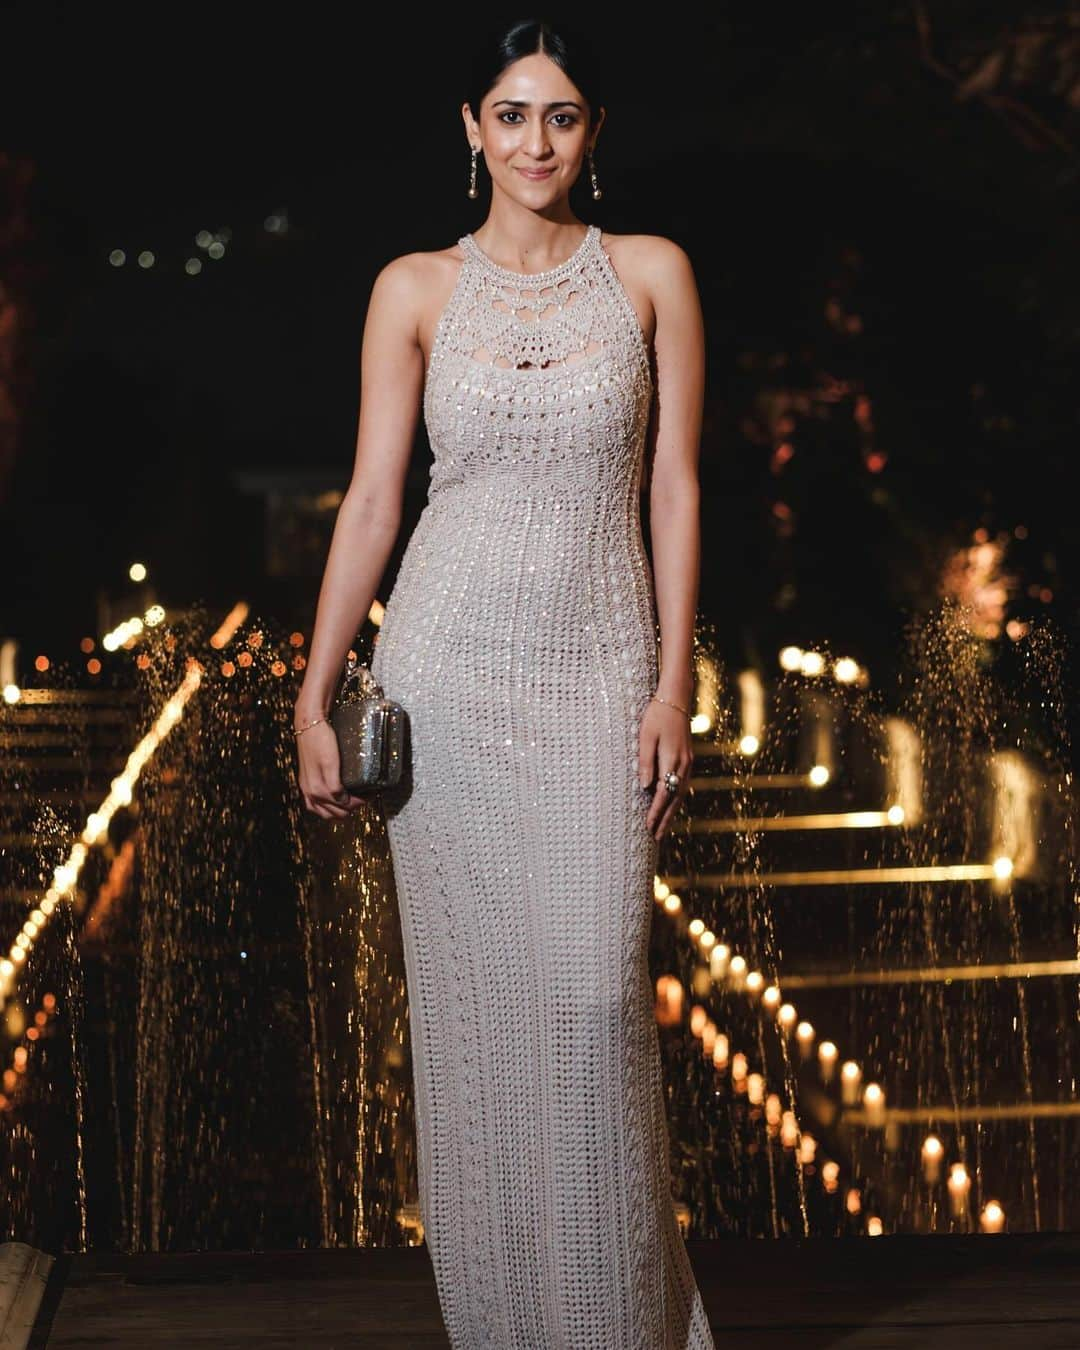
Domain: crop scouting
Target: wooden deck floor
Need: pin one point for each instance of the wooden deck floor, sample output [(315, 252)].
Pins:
[(890, 1293)]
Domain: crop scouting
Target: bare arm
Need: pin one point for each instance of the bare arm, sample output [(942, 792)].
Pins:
[(665, 744), (674, 494), (391, 385)]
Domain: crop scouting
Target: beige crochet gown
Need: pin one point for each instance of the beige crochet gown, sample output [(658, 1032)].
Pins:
[(520, 637)]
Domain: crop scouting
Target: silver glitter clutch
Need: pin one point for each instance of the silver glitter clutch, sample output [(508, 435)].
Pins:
[(370, 732)]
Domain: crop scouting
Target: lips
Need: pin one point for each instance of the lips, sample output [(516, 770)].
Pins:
[(536, 173)]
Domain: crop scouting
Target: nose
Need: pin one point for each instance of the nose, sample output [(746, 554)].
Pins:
[(536, 140)]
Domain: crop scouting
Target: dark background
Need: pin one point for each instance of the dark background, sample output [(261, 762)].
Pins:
[(880, 204)]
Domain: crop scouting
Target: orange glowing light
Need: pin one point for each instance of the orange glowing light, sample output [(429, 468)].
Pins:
[(41, 663), (228, 669), (244, 659), (255, 640), (142, 661), (86, 645), (781, 455), (296, 639), (278, 668), (974, 577), (299, 662), (669, 1001), (94, 666)]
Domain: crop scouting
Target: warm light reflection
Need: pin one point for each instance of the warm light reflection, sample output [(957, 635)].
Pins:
[(992, 1218), (822, 820), (751, 711), (850, 1079), (854, 876), (933, 1151), (959, 1184), (1025, 970), (903, 769), (1015, 827)]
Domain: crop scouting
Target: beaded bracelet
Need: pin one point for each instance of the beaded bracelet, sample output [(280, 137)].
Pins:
[(670, 704)]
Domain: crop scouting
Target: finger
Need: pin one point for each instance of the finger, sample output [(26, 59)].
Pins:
[(667, 816), (344, 798), (661, 798), (310, 805), (646, 759), (665, 803), (348, 802), (332, 809)]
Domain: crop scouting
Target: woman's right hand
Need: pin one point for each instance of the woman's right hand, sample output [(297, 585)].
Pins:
[(320, 774)]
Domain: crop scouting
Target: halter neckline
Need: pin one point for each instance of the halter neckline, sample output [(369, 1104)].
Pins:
[(469, 244)]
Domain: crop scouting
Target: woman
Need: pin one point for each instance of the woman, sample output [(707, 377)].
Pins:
[(546, 756)]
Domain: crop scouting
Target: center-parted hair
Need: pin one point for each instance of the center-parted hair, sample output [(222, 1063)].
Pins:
[(566, 45)]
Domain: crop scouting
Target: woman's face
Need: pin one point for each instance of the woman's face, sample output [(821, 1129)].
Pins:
[(533, 131)]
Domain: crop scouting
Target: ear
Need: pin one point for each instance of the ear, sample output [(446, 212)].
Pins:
[(596, 129), (472, 130)]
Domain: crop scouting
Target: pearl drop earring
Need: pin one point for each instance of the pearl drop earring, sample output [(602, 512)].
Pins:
[(596, 192)]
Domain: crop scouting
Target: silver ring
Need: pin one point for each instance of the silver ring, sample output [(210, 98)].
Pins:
[(671, 782)]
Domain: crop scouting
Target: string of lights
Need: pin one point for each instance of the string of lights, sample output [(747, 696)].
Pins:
[(728, 969)]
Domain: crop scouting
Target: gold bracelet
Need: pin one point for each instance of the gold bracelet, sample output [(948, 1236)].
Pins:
[(301, 731), (670, 704)]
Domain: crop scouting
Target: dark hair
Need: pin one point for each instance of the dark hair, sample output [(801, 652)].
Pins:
[(566, 46)]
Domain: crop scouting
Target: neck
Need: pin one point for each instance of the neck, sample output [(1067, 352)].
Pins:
[(524, 241)]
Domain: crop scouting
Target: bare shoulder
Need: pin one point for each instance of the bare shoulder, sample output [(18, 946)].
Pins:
[(648, 256), (421, 267), (414, 273), (416, 287), (411, 281)]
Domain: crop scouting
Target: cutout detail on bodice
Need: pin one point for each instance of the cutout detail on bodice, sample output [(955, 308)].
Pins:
[(526, 321)]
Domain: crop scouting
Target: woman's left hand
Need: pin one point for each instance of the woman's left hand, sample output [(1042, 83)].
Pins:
[(664, 746)]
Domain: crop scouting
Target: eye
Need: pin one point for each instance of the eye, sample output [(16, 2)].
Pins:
[(512, 112)]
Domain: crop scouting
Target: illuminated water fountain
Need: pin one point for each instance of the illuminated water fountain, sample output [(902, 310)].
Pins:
[(883, 908), (865, 953)]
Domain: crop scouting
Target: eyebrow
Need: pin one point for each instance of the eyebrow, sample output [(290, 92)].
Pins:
[(524, 103)]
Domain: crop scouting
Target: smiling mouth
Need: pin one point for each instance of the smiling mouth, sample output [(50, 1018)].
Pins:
[(536, 173)]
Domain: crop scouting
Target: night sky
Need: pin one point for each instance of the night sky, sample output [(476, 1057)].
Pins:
[(797, 164)]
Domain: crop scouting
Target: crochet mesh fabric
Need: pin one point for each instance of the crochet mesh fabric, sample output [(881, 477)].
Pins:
[(521, 639)]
